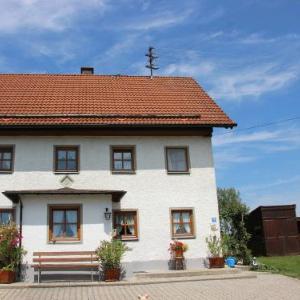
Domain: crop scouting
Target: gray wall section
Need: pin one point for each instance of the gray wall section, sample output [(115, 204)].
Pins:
[(130, 269)]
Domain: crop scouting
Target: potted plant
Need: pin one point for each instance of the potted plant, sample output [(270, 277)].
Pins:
[(110, 254), (177, 248), (11, 253), (215, 248)]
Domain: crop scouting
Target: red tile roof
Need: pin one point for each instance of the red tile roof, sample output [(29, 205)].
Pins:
[(43, 99)]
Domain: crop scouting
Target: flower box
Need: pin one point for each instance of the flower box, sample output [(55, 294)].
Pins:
[(216, 262), (112, 274), (7, 276)]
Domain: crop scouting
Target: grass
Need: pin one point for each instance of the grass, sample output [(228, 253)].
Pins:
[(286, 265)]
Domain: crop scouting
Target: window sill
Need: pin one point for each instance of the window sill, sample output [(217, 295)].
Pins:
[(123, 172), (128, 239), (6, 172), (65, 242), (183, 237), (178, 172), (65, 172)]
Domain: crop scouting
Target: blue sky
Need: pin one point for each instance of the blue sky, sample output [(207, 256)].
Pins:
[(246, 54)]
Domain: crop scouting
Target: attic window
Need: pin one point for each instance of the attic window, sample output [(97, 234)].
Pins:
[(87, 70)]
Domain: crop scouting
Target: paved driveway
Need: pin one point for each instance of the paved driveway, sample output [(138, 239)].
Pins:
[(265, 286)]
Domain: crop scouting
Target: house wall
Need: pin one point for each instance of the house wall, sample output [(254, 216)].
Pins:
[(151, 190)]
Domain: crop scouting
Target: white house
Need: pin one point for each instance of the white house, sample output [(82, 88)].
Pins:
[(73, 147)]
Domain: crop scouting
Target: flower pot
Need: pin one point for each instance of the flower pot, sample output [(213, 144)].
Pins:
[(179, 253), (112, 274), (216, 262), (7, 276)]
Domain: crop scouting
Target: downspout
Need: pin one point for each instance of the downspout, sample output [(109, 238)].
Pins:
[(21, 221), (20, 227)]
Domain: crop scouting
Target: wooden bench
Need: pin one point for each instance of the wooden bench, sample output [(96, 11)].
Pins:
[(70, 261)]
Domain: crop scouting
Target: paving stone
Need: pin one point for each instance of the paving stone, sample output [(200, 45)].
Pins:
[(264, 287)]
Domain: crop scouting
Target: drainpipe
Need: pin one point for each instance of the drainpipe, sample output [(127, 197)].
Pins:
[(21, 221), (20, 226)]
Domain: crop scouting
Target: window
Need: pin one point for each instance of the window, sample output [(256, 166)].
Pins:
[(123, 159), (125, 224), (66, 159), (6, 158), (7, 216), (64, 223), (182, 223), (177, 159)]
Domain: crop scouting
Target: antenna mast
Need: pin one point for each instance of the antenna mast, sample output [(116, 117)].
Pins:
[(151, 58)]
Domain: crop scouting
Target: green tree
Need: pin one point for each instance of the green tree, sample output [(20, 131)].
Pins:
[(232, 224)]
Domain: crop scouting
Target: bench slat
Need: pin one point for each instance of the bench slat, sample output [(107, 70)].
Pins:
[(64, 253), (65, 266), (65, 259)]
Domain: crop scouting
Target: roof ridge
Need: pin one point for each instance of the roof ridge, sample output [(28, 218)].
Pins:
[(152, 115), (94, 75)]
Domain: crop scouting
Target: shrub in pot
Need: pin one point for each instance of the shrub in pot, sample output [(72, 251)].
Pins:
[(215, 248), (11, 253), (110, 254), (177, 249)]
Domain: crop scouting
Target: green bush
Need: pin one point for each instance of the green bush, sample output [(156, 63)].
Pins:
[(214, 245), (232, 224), (11, 253), (110, 254)]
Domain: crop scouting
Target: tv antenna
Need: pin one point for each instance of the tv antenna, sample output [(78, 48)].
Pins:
[(151, 58)]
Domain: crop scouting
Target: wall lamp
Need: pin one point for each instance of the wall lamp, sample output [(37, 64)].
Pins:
[(107, 214)]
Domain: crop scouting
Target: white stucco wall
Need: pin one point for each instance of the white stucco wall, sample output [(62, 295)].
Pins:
[(151, 190)]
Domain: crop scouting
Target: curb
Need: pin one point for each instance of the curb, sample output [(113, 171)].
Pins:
[(124, 283)]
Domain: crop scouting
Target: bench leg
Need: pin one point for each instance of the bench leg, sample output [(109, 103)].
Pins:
[(39, 275)]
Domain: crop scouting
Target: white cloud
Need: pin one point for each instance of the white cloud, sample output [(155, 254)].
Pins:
[(160, 20), (119, 48), (227, 157), (285, 195), (235, 148), (189, 69), (61, 50), (259, 38), (43, 14), (236, 84), (252, 81), (233, 138), (276, 183), (283, 139)]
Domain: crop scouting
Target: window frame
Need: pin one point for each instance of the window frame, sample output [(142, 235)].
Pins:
[(8, 210), (191, 235), (66, 148), (12, 151), (123, 148), (187, 158), (65, 207), (136, 224)]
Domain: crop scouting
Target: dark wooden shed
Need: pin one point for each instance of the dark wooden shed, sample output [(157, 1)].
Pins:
[(274, 230)]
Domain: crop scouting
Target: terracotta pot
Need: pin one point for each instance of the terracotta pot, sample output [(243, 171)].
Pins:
[(112, 274), (216, 262), (179, 253), (7, 276)]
